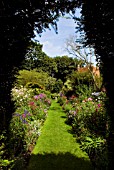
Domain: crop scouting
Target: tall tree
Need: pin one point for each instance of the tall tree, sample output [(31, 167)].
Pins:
[(65, 66), (77, 50), (47, 64), (84, 54), (33, 56), (98, 23), (20, 18), (18, 21)]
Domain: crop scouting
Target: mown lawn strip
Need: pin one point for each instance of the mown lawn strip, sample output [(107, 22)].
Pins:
[(56, 148)]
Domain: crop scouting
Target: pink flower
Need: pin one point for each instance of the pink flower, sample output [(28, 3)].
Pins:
[(31, 103), (99, 105), (74, 113), (36, 97), (24, 115), (89, 99), (42, 95)]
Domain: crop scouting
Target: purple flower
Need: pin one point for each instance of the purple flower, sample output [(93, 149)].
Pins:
[(61, 94), (45, 110), (24, 121), (73, 112), (21, 118), (26, 112), (41, 96), (29, 114), (36, 97)]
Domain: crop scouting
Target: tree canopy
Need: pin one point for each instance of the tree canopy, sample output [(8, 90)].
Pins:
[(98, 23), (19, 21), (20, 18)]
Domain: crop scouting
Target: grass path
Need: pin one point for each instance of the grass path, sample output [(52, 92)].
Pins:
[(56, 148)]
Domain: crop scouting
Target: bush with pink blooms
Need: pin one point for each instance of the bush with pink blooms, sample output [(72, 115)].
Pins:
[(89, 122), (27, 121)]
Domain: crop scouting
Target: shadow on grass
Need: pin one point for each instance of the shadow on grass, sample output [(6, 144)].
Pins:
[(60, 161), (63, 117), (71, 131)]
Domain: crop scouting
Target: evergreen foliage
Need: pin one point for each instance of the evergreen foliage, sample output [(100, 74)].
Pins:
[(19, 20), (98, 23), (65, 66)]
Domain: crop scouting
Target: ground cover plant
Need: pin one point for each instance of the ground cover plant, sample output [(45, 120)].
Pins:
[(89, 122)]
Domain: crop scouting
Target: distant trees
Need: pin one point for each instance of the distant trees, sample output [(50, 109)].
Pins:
[(74, 46), (36, 59), (65, 66), (59, 67), (33, 56), (18, 21), (98, 23)]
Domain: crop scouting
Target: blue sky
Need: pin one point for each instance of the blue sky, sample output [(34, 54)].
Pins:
[(54, 44)]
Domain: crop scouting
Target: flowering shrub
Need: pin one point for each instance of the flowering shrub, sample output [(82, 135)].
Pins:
[(89, 122), (21, 96), (26, 124), (90, 117)]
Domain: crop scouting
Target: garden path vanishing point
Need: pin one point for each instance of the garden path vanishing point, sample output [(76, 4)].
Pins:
[(56, 148)]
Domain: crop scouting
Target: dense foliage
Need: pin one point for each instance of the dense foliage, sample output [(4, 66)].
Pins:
[(25, 126), (18, 21), (20, 18), (98, 23), (87, 116), (65, 66)]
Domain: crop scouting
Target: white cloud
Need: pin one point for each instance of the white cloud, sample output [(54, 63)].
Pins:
[(53, 44), (52, 50)]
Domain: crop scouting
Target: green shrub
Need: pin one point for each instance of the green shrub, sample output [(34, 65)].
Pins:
[(79, 84), (4, 163), (50, 83), (54, 96), (89, 123), (33, 85), (62, 99), (97, 151), (67, 88), (27, 121), (79, 78), (57, 86), (83, 91), (17, 135), (32, 78)]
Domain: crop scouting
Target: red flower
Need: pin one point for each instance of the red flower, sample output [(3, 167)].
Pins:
[(31, 103)]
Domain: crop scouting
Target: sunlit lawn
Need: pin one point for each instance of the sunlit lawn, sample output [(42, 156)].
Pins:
[(56, 148)]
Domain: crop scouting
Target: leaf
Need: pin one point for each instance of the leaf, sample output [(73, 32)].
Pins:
[(88, 139)]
